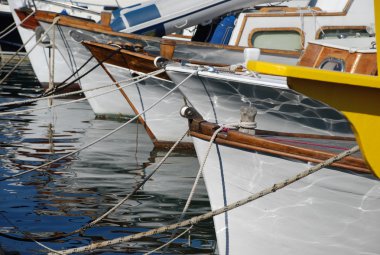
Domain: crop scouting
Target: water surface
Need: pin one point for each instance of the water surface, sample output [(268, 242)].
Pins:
[(75, 191)]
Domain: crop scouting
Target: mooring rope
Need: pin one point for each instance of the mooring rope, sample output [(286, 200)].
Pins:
[(17, 52), (211, 214), (35, 238), (196, 181), (27, 101), (78, 100), (104, 136), (55, 21), (62, 85), (11, 25)]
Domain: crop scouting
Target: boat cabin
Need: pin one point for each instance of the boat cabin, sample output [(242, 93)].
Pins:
[(353, 55), (286, 30)]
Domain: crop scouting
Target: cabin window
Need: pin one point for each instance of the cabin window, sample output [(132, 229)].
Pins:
[(333, 64), (342, 33), (288, 40)]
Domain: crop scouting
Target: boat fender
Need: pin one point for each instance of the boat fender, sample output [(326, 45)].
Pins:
[(160, 62), (223, 31)]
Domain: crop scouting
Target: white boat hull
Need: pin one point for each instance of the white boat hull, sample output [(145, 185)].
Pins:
[(218, 97), (164, 119), (329, 212), (68, 43)]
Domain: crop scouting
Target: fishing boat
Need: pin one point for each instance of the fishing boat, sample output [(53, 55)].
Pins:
[(31, 32), (356, 95), (332, 211)]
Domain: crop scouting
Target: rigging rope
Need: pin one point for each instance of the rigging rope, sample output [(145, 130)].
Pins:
[(34, 238), (80, 99), (85, 147), (27, 101), (196, 181), (10, 31), (211, 214), (56, 19)]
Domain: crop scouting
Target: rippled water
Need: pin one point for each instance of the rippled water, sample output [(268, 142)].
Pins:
[(79, 189)]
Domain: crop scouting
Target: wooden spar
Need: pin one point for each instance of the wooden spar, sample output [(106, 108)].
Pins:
[(232, 138), (137, 61), (140, 118), (141, 63)]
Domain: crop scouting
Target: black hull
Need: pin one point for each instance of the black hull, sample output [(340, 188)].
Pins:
[(11, 42)]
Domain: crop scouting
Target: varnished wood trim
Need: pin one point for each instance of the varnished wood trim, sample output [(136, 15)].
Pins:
[(242, 27), (324, 28), (105, 18), (78, 23), (275, 51), (181, 147), (30, 23), (310, 136), (268, 14), (296, 13), (288, 9), (238, 140)]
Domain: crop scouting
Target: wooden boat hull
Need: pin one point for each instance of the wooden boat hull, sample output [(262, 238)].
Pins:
[(218, 96), (333, 211)]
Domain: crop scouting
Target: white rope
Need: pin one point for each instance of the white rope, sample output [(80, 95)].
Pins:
[(172, 240), (211, 214), (79, 91), (48, 248), (200, 170), (56, 19), (10, 31), (104, 136), (136, 188), (73, 101), (196, 181)]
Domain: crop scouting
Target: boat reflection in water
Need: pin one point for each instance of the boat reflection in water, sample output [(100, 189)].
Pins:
[(80, 188)]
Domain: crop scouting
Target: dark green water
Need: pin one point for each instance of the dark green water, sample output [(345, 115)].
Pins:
[(76, 190)]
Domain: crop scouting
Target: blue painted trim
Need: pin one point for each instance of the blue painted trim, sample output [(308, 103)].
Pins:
[(142, 15), (188, 14)]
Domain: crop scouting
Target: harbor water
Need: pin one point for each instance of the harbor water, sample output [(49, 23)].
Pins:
[(72, 192)]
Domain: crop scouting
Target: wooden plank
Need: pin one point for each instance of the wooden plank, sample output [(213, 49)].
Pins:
[(238, 140)]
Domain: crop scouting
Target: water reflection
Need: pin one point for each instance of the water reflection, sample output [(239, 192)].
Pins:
[(74, 191)]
